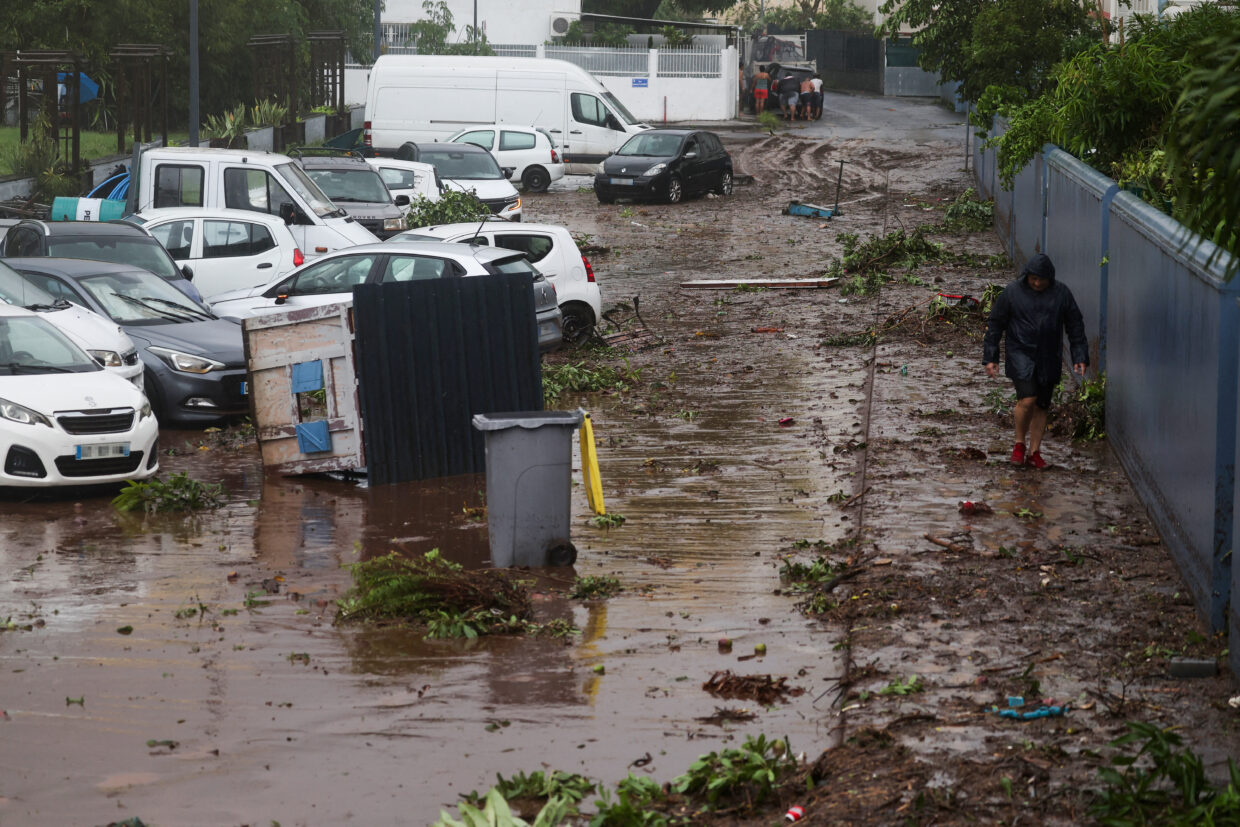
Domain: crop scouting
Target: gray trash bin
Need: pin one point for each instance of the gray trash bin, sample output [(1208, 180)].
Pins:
[(529, 479)]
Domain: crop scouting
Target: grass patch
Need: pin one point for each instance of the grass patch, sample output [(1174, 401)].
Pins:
[(595, 588), (179, 493), (451, 602), (577, 377)]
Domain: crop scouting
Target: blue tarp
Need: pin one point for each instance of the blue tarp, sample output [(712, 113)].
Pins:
[(88, 90)]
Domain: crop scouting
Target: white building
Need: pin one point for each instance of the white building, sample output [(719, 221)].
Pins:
[(503, 21)]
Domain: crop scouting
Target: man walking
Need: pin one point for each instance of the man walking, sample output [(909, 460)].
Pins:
[(1034, 312)]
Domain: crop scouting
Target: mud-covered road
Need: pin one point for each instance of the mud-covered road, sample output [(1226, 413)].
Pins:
[(759, 427)]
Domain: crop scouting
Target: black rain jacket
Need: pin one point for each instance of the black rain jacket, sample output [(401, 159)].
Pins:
[(1035, 323)]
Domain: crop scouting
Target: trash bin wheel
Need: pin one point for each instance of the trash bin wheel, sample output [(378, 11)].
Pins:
[(561, 553)]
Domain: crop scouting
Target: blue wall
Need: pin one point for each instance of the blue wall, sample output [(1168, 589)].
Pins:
[(1165, 328)]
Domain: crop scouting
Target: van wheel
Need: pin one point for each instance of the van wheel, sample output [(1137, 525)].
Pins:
[(674, 189), (536, 179), (725, 183), (578, 322)]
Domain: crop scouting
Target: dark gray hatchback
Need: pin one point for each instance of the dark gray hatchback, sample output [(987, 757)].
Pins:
[(195, 371), (355, 187)]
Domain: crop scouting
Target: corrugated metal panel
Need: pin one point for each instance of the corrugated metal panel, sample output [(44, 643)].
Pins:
[(430, 355), (1172, 350), (1027, 208)]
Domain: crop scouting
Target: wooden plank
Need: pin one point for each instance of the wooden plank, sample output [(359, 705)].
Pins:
[(772, 284)]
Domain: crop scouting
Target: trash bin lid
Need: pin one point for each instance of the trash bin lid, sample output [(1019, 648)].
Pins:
[(527, 419)]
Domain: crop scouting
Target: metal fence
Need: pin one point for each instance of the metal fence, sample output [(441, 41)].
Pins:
[(1165, 327), (625, 61), (688, 62)]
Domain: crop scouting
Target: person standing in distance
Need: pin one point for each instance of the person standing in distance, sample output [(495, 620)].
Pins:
[(761, 87), (1033, 312)]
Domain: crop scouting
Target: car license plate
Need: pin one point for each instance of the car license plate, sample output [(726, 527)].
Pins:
[(622, 182), (245, 388), (103, 450)]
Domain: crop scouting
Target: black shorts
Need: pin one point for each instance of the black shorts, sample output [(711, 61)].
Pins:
[(1026, 388)]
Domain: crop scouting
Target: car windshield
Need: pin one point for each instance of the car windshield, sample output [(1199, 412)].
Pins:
[(296, 178), (652, 146), (16, 289), (31, 346), (134, 298), (463, 166), (615, 104), (140, 251), (351, 185)]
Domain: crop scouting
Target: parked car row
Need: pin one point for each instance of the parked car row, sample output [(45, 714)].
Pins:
[(104, 332)]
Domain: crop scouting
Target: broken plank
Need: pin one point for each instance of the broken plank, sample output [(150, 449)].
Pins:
[(773, 284)]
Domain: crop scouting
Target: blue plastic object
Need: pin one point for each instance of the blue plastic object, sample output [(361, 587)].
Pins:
[(797, 208), (313, 437), (1040, 712)]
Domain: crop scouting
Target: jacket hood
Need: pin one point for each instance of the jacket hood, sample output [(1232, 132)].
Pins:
[(1040, 265)]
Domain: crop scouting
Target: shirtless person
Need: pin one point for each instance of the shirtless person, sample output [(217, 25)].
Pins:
[(805, 100)]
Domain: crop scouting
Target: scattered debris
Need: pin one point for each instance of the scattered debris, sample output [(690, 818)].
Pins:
[(772, 284), (766, 330), (1181, 667), (978, 507), (724, 715), (761, 688)]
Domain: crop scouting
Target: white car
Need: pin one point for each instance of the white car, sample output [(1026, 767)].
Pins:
[(550, 248), (527, 150), (468, 168), (225, 248), (102, 339), (331, 279), (411, 178), (64, 420)]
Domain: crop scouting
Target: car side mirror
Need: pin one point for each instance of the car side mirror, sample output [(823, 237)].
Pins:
[(188, 272), (401, 201), (508, 171), (282, 298), (691, 154), (288, 212)]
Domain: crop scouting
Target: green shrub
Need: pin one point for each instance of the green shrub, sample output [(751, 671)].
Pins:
[(179, 493)]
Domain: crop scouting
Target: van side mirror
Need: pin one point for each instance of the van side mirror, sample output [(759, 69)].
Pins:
[(287, 212), (188, 272), (508, 171), (611, 123), (401, 201)]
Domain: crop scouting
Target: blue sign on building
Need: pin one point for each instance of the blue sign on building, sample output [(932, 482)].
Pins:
[(641, 83)]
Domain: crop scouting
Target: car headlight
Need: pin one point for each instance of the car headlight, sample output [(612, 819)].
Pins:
[(21, 414), (393, 224), (186, 362), (654, 170), (107, 358), (145, 410), (514, 206)]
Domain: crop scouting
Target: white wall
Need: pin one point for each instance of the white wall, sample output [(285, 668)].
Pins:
[(684, 99), (503, 21)]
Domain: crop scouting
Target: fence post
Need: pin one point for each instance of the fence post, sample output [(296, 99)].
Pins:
[(540, 51)]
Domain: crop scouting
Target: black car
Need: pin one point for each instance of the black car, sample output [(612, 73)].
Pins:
[(120, 242), (356, 187), (195, 370), (667, 164)]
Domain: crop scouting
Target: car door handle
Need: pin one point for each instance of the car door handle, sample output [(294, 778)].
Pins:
[(574, 132), (555, 132), (264, 266)]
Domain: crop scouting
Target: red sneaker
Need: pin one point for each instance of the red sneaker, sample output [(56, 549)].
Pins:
[(1018, 454), (1035, 459)]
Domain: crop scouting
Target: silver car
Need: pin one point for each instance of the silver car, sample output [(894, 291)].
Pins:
[(332, 277)]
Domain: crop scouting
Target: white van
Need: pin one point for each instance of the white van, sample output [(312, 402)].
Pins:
[(431, 97), (265, 182)]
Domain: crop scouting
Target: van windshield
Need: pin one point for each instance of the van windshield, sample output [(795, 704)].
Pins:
[(308, 190), (615, 104)]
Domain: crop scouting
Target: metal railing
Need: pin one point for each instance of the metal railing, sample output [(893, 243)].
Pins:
[(630, 61), (688, 62)]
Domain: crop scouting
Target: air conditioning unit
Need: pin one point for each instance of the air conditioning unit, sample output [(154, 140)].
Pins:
[(560, 21)]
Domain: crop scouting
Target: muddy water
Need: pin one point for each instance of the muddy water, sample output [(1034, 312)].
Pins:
[(276, 714)]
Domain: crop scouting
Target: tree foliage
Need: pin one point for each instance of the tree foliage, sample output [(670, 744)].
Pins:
[(754, 16), (225, 26), (1012, 44), (432, 34)]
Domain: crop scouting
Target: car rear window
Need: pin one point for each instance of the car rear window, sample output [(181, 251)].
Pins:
[(516, 140), (514, 264)]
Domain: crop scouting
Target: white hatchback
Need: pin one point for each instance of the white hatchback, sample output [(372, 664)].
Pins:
[(411, 178), (226, 248), (102, 339), (550, 248), (528, 151), (64, 420)]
